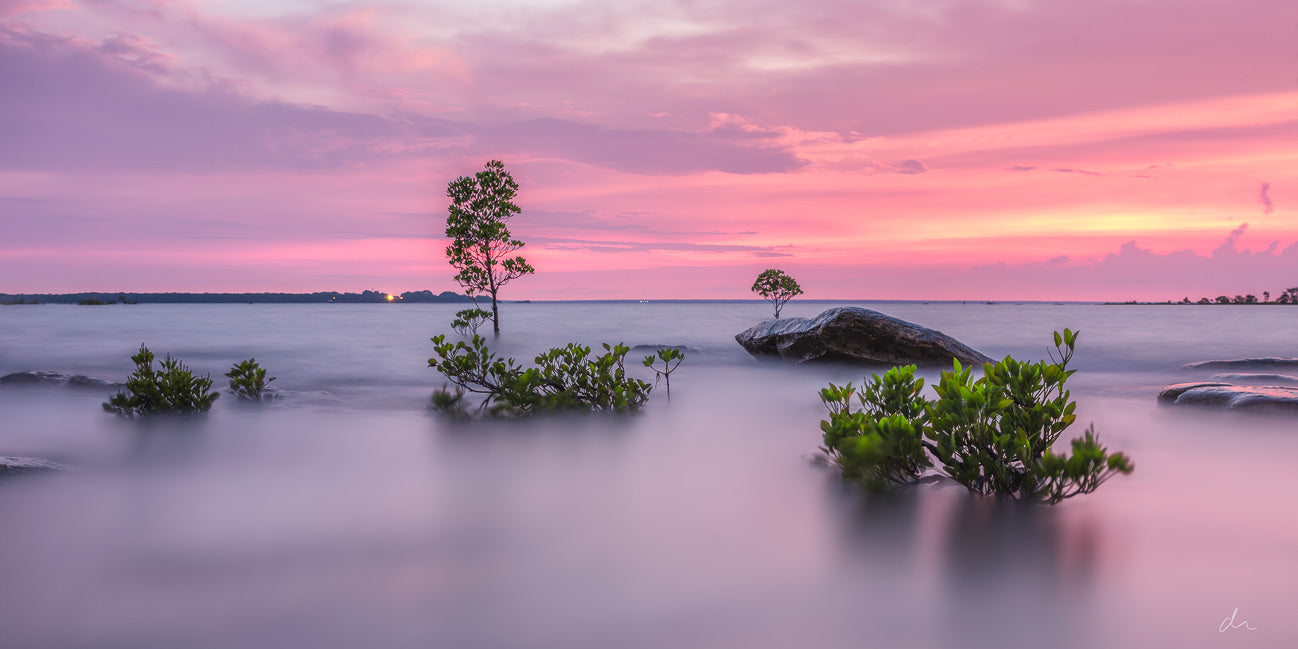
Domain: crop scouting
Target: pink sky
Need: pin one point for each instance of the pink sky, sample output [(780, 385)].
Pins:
[(911, 149)]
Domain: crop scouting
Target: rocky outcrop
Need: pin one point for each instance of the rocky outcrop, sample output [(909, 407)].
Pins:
[(13, 466), (1232, 397), (1245, 364), (54, 378), (855, 335)]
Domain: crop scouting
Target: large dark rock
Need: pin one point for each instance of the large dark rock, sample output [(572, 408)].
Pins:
[(855, 335), (1245, 364), (1232, 397)]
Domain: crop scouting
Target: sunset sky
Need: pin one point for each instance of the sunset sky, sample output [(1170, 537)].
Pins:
[(892, 149)]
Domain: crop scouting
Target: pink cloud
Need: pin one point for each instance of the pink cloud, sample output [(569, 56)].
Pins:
[(933, 149)]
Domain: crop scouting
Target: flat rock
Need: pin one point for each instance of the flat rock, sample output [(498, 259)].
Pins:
[(1272, 363), (54, 378), (1232, 397), (1255, 379), (855, 335), (12, 466)]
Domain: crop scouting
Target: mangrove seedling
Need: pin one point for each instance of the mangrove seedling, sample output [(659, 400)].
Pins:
[(248, 381), (467, 321), (565, 379), (672, 359), (172, 388), (994, 435), (882, 444)]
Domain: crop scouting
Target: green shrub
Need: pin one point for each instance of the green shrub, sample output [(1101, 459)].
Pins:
[(667, 356), (248, 381), (994, 435), (172, 388), (882, 444), (466, 322), (565, 379)]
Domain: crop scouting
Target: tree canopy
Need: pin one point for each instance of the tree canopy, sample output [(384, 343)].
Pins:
[(777, 287)]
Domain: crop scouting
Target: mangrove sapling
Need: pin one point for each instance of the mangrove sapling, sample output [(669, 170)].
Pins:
[(667, 356), (477, 225), (994, 435), (248, 381), (565, 379), (449, 402), (467, 321), (172, 388), (881, 445)]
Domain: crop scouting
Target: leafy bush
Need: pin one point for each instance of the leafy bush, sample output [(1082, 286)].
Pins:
[(667, 356), (882, 444), (172, 388), (248, 381), (994, 435), (466, 322), (565, 379)]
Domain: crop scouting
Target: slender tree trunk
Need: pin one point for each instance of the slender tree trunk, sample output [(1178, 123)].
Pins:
[(495, 314)]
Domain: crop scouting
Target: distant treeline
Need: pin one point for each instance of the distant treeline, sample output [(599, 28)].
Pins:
[(1287, 296), (226, 298)]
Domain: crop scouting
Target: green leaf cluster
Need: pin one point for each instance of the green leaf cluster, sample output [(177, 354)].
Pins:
[(880, 445), (248, 381), (994, 434), (777, 287), (565, 379), (171, 388), (671, 358), (467, 321)]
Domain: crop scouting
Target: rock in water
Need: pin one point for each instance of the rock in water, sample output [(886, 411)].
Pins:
[(54, 378), (1244, 364), (1255, 379), (855, 335), (1231, 397), (11, 466)]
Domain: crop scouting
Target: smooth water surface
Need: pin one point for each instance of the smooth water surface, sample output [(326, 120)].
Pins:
[(345, 515)]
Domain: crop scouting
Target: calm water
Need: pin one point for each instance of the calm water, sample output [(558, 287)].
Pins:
[(346, 516)]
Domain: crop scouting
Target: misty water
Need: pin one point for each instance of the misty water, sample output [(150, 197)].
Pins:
[(346, 515)]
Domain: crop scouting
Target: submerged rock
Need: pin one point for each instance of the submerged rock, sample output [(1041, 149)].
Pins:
[(1244, 364), (12, 466), (855, 335), (54, 378), (1255, 379), (1232, 397)]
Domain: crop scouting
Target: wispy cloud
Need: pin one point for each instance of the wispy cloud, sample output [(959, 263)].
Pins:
[(1265, 199)]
